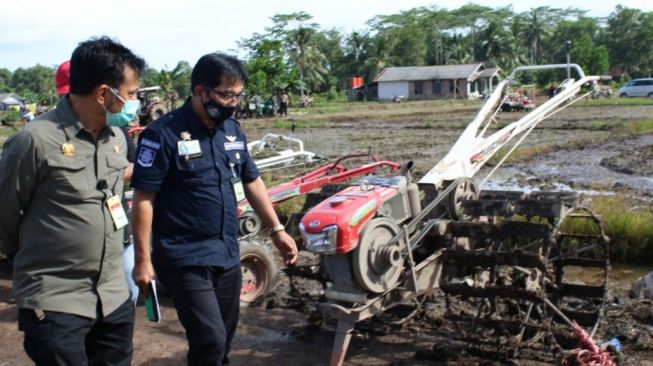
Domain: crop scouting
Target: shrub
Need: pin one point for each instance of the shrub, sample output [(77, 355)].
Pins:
[(11, 116)]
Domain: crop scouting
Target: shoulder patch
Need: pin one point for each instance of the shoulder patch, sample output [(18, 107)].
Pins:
[(236, 145), (146, 157), (151, 144)]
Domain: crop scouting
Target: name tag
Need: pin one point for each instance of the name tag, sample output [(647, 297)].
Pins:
[(189, 148), (236, 145), (117, 212), (239, 190)]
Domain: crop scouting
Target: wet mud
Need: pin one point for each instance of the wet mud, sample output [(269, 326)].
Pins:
[(287, 328)]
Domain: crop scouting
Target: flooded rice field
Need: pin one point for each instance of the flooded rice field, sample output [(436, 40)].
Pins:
[(579, 153)]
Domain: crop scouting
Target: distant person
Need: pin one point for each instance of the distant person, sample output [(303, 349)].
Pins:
[(552, 91), (192, 167), (25, 114), (61, 182), (62, 82), (283, 104), (62, 78), (41, 108)]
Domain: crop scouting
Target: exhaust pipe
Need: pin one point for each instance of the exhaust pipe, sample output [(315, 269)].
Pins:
[(404, 170)]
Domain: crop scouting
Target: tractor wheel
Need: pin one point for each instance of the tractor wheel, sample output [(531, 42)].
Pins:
[(466, 190), (157, 111), (259, 270)]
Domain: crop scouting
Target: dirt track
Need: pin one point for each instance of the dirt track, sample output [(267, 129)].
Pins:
[(284, 330)]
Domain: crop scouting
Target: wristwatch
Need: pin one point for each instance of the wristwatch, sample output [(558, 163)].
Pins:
[(277, 228)]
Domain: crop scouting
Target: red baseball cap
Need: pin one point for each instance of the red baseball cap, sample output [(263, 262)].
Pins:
[(62, 78)]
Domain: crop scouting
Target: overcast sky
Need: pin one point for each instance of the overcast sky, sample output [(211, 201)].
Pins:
[(164, 32)]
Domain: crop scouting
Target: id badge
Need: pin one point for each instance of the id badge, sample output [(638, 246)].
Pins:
[(239, 191), (189, 149), (117, 212)]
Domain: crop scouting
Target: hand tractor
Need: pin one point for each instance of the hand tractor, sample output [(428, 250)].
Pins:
[(500, 259), (257, 261)]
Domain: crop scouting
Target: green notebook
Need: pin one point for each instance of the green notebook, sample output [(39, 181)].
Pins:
[(152, 303)]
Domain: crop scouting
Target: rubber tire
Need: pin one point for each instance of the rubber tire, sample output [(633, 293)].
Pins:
[(623, 95), (453, 204), (156, 112), (257, 261)]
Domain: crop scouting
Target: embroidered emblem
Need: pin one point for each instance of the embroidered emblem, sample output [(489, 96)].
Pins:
[(237, 156), (68, 149), (230, 138), (146, 157), (185, 135), (116, 149)]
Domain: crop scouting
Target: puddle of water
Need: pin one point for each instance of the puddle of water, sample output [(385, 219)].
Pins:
[(623, 274), (505, 179), (562, 169)]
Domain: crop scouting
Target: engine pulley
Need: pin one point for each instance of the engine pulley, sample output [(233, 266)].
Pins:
[(377, 265)]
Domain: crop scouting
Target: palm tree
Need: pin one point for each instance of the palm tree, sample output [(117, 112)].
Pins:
[(308, 59), (376, 56), (500, 46), (458, 52), (534, 26)]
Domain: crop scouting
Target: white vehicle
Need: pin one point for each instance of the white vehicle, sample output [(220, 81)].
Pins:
[(637, 88)]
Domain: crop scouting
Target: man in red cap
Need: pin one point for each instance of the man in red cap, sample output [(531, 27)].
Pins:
[(62, 77)]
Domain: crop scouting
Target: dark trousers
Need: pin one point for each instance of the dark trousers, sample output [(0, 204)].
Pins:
[(283, 109), (68, 339), (207, 300)]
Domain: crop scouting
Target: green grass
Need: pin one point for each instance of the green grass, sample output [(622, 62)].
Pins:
[(6, 131), (528, 152), (598, 125), (635, 127), (628, 225), (616, 101)]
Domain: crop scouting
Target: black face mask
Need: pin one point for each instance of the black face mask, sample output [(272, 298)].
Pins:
[(218, 112)]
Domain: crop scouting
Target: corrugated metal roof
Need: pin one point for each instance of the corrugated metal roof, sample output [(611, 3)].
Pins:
[(488, 73), (441, 72), (7, 97)]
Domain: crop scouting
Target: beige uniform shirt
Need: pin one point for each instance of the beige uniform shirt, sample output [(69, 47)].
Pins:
[(54, 216)]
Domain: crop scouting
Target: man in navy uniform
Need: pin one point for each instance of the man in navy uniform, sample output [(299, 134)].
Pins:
[(192, 168)]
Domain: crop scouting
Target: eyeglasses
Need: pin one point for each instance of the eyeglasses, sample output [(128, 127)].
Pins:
[(226, 95), (116, 92)]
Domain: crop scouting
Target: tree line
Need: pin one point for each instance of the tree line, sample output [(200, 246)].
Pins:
[(295, 54)]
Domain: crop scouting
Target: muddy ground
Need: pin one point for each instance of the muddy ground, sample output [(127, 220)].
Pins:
[(286, 329)]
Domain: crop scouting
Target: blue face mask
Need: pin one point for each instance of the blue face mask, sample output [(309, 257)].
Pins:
[(126, 114)]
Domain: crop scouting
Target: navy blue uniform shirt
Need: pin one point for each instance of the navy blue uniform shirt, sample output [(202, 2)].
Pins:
[(195, 221)]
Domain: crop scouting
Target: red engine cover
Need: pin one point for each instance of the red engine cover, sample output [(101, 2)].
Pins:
[(350, 210)]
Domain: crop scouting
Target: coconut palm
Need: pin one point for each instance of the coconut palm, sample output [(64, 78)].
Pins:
[(535, 26), (307, 58)]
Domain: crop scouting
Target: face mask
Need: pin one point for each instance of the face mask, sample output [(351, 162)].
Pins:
[(218, 112), (127, 112)]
